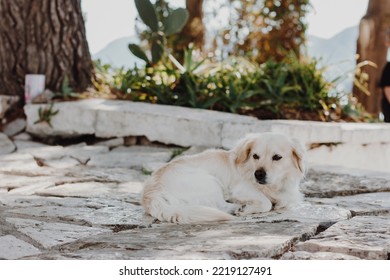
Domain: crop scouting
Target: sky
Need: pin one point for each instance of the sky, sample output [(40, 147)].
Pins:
[(108, 20)]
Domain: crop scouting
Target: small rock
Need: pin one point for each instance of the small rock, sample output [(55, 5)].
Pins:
[(130, 141), (45, 97), (24, 136), (15, 127), (144, 141), (6, 145)]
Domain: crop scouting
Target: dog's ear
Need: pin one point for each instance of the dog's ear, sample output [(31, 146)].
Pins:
[(298, 155), (243, 150)]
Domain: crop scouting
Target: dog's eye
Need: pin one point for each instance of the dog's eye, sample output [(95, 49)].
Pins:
[(276, 157), (255, 156)]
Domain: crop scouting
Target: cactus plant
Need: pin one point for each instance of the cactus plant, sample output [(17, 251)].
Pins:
[(147, 13), (170, 25)]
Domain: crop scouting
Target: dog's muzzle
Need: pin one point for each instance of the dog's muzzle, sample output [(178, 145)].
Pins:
[(260, 176)]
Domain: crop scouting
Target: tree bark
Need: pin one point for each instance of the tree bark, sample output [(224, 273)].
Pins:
[(43, 37), (371, 47), (193, 31)]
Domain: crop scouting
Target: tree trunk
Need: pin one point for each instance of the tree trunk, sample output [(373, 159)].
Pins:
[(193, 31), (371, 47), (43, 37)]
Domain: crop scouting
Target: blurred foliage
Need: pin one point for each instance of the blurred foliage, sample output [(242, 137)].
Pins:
[(162, 22), (266, 76), (290, 89), (262, 29)]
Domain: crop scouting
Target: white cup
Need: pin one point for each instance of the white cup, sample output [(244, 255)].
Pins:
[(34, 86)]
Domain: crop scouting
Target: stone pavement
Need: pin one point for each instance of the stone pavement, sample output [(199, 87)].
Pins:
[(83, 202)]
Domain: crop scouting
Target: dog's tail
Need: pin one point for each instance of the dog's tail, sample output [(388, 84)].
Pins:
[(161, 209)]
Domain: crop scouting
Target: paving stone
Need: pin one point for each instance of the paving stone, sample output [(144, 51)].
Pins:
[(106, 174), (327, 184), (107, 212), (208, 241), (365, 237), (23, 145), (31, 188), (360, 204), (9, 181), (85, 189), (302, 255), (6, 145), (305, 213), (80, 151), (131, 157), (13, 248), (28, 165), (52, 234), (65, 162)]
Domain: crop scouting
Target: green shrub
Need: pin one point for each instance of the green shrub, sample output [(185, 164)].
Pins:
[(289, 89)]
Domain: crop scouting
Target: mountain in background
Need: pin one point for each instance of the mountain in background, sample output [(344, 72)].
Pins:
[(118, 54), (337, 54)]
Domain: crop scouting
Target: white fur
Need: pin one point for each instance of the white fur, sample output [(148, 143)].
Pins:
[(213, 185)]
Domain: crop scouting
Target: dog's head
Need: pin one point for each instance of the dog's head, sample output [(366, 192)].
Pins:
[(270, 158)]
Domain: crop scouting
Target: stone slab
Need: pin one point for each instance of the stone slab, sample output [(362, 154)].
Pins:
[(84, 189), (131, 157), (52, 234), (304, 213), (370, 156), (207, 241), (96, 212), (13, 248), (328, 184), (302, 255), (10, 181), (365, 237), (64, 122), (176, 125)]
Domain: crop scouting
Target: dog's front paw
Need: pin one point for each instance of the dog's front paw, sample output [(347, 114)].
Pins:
[(256, 208), (240, 210)]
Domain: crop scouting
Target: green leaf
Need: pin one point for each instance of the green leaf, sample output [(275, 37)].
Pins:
[(157, 51), (175, 21), (138, 52), (147, 13)]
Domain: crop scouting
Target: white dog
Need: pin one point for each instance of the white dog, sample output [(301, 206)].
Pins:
[(261, 171)]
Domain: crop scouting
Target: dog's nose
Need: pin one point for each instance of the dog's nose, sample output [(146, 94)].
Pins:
[(260, 176)]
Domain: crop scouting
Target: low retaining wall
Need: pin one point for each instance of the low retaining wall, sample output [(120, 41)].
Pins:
[(356, 145)]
